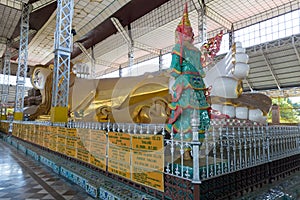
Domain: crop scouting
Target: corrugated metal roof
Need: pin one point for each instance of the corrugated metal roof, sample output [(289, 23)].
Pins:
[(275, 62)]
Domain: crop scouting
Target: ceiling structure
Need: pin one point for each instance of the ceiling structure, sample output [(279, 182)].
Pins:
[(152, 24)]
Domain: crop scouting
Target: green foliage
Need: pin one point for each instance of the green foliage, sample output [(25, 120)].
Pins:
[(289, 111)]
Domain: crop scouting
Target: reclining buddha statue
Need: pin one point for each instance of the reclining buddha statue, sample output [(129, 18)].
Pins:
[(154, 97), (145, 99)]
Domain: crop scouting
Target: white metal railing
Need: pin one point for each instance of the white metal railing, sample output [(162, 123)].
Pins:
[(229, 145), (235, 146)]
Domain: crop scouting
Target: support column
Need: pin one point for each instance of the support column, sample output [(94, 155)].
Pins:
[(202, 13), (22, 63), (93, 63), (62, 51), (130, 59), (231, 37), (5, 83), (128, 39), (130, 51), (160, 60), (120, 71), (202, 24), (1, 87)]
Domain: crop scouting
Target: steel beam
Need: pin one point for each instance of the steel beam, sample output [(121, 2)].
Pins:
[(94, 61), (121, 29), (201, 10), (231, 37), (201, 7), (202, 26), (128, 39), (18, 4), (41, 4), (12, 3), (213, 15), (271, 69), (160, 61), (120, 71), (130, 58), (133, 44), (22, 62), (147, 48), (198, 4), (3, 40), (62, 50), (87, 54), (296, 51), (249, 85)]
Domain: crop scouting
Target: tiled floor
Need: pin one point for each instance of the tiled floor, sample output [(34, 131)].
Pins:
[(23, 178), (287, 188)]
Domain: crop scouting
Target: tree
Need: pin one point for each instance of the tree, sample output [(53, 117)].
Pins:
[(289, 111)]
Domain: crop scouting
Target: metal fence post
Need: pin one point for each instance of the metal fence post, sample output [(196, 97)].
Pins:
[(298, 139), (196, 145), (268, 143)]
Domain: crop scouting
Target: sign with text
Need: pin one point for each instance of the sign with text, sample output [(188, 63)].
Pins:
[(83, 155), (148, 159), (119, 154), (83, 141), (83, 134), (62, 131), (71, 151), (71, 132), (98, 136), (147, 142), (98, 149), (53, 130), (119, 168), (153, 179), (99, 162), (98, 143), (138, 157), (119, 139), (71, 142)]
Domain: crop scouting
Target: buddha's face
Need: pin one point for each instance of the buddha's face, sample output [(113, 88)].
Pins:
[(39, 76)]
